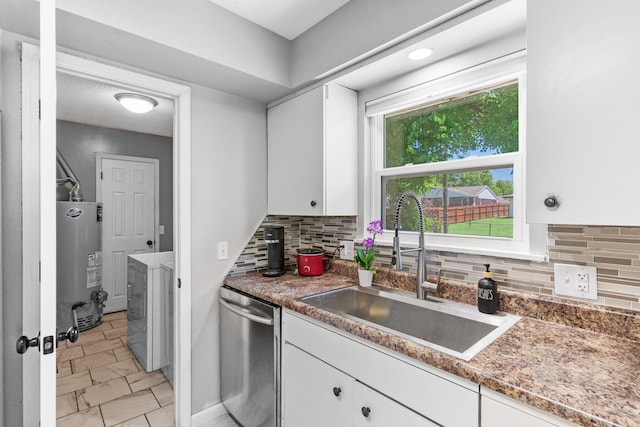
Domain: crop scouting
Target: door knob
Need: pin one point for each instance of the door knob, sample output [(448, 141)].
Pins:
[(337, 391), (72, 335), (24, 343), (365, 411), (149, 243)]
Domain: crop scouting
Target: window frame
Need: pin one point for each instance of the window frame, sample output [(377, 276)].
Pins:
[(529, 240)]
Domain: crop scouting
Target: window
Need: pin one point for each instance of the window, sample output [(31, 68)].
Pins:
[(458, 144)]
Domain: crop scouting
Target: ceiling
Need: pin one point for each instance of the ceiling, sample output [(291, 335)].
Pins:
[(288, 18)]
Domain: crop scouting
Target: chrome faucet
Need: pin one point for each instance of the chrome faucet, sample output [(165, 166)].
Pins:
[(396, 259)]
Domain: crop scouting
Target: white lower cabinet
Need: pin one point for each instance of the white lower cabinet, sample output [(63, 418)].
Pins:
[(497, 410), (331, 378), (317, 394)]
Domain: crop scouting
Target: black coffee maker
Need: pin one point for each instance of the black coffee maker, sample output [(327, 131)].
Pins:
[(274, 238)]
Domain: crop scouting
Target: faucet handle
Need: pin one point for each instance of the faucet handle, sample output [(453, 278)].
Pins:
[(429, 286)]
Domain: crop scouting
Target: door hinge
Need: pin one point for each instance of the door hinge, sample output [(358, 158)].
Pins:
[(101, 175), (39, 109), (179, 283)]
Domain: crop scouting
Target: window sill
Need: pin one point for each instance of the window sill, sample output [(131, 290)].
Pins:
[(386, 240)]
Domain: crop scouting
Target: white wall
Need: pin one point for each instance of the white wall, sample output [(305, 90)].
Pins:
[(229, 199)]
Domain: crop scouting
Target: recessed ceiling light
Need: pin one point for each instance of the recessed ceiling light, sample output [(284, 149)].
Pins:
[(420, 53), (136, 103)]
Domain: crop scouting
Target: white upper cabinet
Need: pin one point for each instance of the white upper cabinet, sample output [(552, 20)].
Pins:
[(312, 149), (583, 63)]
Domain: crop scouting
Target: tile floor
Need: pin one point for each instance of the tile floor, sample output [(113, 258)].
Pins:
[(101, 384)]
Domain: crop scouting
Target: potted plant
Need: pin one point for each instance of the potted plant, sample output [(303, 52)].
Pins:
[(365, 256)]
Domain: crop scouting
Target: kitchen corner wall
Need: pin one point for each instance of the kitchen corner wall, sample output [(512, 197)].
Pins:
[(615, 251)]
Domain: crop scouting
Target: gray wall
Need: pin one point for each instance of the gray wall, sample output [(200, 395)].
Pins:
[(80, 143), (228, 203)]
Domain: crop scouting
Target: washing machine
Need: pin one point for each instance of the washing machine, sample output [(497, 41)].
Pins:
[(147, 308)]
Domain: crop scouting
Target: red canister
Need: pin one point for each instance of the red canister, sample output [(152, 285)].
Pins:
[(311, 261)]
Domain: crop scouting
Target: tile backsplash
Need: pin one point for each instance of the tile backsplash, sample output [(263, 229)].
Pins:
[(614, 251), (300, 232)]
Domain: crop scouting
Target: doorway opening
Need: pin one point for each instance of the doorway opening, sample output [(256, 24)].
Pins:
[(180, 281)]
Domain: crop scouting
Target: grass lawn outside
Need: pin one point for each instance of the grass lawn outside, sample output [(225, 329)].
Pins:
[(495, 227)]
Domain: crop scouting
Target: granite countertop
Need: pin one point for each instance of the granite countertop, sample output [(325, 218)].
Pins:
[(580, 362)]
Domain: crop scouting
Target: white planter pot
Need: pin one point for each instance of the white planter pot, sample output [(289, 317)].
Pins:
[(365, 277)]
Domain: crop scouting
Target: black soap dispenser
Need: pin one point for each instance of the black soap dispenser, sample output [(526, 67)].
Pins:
[(487, 293)]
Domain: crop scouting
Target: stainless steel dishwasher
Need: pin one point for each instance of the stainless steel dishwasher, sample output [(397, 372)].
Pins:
[(249, 359)]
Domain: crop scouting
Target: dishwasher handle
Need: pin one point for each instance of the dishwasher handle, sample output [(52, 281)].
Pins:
[(242, 312)]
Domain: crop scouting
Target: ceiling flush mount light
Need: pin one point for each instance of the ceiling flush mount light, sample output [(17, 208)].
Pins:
[(136, 103), (420, 53)]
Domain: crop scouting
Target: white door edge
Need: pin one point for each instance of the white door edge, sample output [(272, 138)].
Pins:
[(181, 96)]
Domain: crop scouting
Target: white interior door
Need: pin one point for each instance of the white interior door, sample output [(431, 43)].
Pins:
[(128, 191)]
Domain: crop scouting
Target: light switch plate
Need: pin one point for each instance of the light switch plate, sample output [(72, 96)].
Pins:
[(576, 281), (223, 250)]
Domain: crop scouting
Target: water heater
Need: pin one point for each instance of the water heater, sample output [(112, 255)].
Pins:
[(79, 265)]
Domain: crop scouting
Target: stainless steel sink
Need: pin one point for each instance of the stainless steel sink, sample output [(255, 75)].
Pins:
[(454, 328)]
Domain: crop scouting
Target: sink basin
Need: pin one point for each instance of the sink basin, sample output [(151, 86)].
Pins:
[(453, 328)]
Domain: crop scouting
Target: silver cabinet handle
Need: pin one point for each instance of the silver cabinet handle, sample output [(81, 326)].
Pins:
[(242, 312)]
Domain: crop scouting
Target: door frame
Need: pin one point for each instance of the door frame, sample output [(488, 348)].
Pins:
[(156, 190), (181, 96)]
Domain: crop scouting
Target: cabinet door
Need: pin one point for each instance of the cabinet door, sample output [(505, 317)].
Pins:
[(374, 409), (341, 151), (582, 92), (496, 414), (314, 393), (497, 410), (295, 155)]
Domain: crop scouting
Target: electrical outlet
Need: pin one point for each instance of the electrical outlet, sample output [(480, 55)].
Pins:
[(223, 250), (582, 282), (346, 251), (576, 281)]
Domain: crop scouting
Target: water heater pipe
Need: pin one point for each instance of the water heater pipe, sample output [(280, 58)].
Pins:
[(75, 195)]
